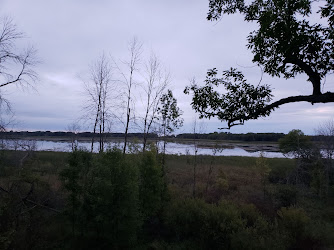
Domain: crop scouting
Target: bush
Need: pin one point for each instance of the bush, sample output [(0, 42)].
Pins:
[(104, 206), (222, 226), (279, 174), (151, 185), (285, 195), (294, 224), (185, 218)]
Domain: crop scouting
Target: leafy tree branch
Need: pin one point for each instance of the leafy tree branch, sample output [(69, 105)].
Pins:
[(285, 44)]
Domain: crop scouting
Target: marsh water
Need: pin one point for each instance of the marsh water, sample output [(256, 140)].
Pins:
[(230, 149)]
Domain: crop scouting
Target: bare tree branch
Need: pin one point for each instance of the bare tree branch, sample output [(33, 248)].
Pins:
[(156, 81), (23, 73), (16, 67), (101, 97), (135, 51)]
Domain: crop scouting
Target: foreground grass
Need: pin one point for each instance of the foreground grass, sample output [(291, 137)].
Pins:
[(234, 177)]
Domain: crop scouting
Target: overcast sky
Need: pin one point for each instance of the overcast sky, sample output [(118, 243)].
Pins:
[(70, 34)]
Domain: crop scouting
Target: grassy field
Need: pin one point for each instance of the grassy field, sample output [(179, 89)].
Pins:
[(240, 180), (230, 177)]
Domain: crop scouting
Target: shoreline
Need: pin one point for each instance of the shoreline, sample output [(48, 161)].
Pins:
[(249, 146)]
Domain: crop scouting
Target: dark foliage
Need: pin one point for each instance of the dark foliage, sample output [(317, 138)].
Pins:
[(285, 44)]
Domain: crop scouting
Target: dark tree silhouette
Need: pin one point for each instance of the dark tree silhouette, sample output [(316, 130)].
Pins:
[(100, 90), (16, 66), (285, 44), (132, 67), (156, 81), (170, 116)]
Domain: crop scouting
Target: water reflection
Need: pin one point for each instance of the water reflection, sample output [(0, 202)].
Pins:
[(171, 148)]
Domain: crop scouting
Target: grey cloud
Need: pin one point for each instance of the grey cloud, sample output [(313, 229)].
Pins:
[(69, 35)]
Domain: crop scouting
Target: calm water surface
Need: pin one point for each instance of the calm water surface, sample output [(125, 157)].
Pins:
[(171, 148)]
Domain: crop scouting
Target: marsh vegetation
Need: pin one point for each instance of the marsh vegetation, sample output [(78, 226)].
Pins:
[(80, 200)]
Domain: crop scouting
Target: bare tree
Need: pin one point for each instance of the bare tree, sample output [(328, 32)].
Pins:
[(135, 51), (74, 129), (23, 73), (197, 128), (216, 149), (16, 67), (6, 114), (195, 131), (156, 81), (326, 133), (99, 89)]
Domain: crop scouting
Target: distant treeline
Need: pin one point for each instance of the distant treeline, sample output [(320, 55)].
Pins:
[(14, 134), (273, 137), (208, 136), (230, 136)]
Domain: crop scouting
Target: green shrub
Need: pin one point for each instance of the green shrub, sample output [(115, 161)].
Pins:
[(285, 195), (220, 226), (151, 185), (294, 223), (262, 235), (221, 223), (322, 234), (222, 181), (279, 174), (104, 206), (185, 218), (229, 226)]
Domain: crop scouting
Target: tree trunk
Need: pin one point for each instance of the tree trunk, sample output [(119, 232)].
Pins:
[(94, 131), (128, 113)]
